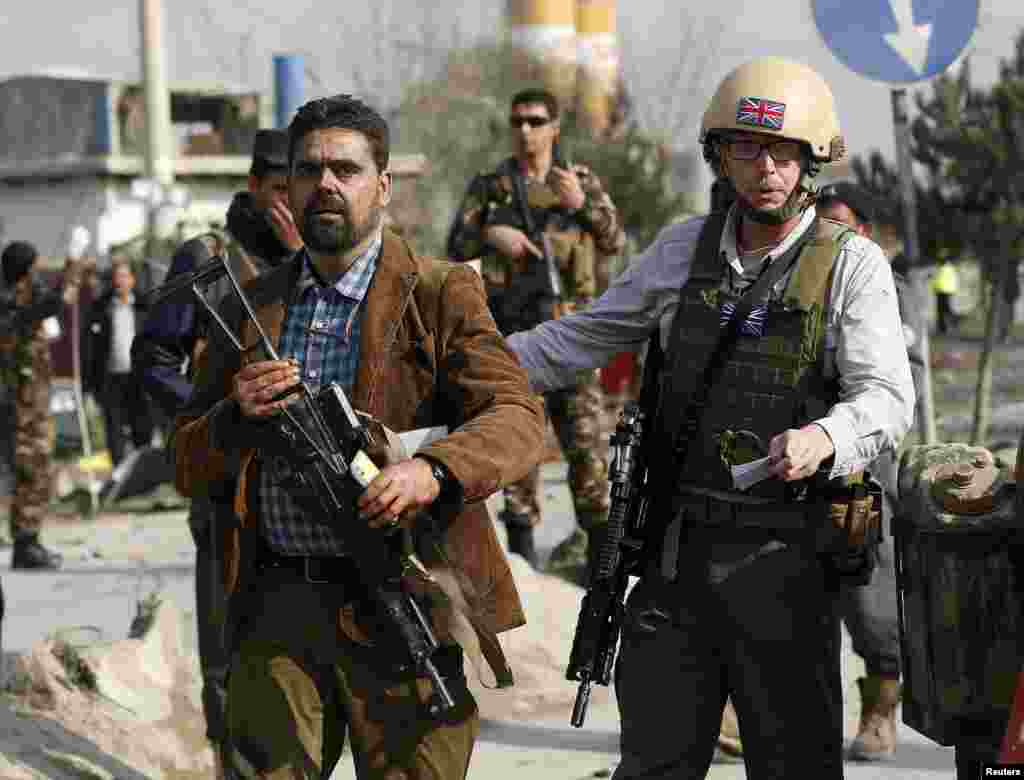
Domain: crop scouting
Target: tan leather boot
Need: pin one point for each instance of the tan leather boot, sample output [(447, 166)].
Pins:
[(876, 736), (729, 734)]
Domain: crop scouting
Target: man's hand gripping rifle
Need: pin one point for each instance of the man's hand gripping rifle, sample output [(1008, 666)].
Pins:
[(330, 462), (620, 555)]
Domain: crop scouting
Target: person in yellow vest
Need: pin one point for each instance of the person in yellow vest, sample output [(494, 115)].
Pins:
[(945, 284), (785, 357)]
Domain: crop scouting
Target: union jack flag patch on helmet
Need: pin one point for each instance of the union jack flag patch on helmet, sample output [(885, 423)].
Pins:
[(760, 113)]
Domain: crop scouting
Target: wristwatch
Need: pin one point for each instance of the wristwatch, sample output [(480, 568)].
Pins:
[(440, 473), (449, 501)]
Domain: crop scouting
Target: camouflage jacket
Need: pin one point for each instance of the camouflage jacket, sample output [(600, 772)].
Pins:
[(577, 239), (24, 349)]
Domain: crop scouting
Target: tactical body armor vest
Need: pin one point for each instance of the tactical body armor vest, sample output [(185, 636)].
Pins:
[(556, 230), (775, 376)]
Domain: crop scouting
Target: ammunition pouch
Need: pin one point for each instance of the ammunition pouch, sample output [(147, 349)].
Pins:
[(852, 529), (841, 520)]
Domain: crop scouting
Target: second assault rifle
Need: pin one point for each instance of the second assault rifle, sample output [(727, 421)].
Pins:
[(620, 555), (536, 290), (328, 461)]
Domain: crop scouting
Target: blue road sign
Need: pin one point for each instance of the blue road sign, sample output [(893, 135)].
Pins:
[(896, 41)]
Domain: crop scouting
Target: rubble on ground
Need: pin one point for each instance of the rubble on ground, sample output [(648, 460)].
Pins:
[(129, 709), (538, 652), (126, 709)]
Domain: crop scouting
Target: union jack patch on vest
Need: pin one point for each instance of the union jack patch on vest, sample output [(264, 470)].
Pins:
[(753, 326), (759, 112)]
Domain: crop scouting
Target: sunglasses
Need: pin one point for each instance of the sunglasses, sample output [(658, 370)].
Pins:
[(516, 122), (780, 151)]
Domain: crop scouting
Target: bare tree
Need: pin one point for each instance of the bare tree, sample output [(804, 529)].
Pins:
[(409, 44), (672, 87)]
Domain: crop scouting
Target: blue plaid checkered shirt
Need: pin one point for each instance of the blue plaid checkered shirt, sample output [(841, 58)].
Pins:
[(321, 331)]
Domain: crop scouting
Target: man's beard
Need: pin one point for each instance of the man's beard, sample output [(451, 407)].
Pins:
[(335, 236)]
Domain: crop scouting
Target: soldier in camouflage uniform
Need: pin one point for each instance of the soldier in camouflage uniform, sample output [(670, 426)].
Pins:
[(25, 363), (538, 263)]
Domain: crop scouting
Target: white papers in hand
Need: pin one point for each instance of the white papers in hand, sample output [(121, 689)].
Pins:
[(746, 475)]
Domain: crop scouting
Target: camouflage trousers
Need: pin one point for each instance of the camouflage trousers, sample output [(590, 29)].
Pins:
[(575, 413), (32, 483)]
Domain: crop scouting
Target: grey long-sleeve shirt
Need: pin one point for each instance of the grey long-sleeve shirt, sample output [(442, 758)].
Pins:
[(863, 334)]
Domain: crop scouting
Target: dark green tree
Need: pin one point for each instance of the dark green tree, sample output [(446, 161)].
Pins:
[(967, 141)]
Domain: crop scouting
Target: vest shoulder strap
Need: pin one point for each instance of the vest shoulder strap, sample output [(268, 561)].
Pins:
[(705, 262), (811, 279)]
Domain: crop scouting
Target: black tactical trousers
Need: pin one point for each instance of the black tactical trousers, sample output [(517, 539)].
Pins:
[(124, 404), (211, 602), (766, 635)]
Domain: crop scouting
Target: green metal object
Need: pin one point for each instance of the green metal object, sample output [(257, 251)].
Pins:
[(959, 556)]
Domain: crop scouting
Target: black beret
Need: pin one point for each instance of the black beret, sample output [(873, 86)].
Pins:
[(271, 148), (17, 260), (854, 196)]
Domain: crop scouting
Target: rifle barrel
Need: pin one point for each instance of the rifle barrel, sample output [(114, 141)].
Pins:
[(579, 708)]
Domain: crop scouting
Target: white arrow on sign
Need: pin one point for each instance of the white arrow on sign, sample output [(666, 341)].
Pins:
[(910, 40)]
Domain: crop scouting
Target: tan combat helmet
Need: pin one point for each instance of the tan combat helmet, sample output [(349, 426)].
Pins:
[(778, 97)]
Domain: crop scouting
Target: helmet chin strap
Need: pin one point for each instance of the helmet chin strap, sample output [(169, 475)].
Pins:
[(794, 204), (802, 196)]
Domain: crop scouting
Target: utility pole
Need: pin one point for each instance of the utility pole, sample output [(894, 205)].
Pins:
[(597, 52), (911, 248), (544, 32), (160, 153)]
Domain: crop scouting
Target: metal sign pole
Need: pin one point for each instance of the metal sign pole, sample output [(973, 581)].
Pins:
[(911, 248), (902, 42)]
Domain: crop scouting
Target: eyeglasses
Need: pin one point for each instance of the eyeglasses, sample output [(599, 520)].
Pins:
[(516, 122), (780, 151)]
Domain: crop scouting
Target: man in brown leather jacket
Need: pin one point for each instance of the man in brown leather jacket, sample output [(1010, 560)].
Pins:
[(412, 343)]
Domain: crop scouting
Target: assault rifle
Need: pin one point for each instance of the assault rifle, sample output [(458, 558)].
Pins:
[(330, 464), (533, 294), (620, 555)]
